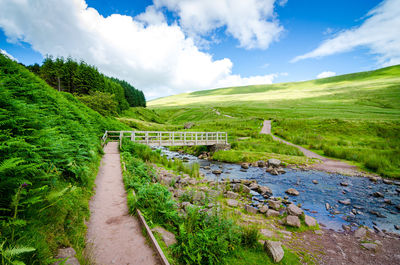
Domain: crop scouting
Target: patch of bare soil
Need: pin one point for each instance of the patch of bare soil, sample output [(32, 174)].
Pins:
[(113, 235)]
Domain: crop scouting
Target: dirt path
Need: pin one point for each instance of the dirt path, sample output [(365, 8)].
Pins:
[(327, 164), (115, 237)]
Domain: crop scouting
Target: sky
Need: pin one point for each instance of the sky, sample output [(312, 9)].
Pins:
[(166, 47)]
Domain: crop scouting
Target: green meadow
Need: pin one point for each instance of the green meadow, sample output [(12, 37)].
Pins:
[(354, 117)]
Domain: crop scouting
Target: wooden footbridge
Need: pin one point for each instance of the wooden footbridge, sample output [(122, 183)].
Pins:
[(159, 138)]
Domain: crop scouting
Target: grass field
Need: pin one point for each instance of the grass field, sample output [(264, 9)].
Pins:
[(355, 117)]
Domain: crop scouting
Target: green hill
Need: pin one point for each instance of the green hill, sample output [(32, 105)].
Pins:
[(355, 117), (49, 154)]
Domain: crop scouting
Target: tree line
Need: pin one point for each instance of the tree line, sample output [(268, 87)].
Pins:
[(89, 84)]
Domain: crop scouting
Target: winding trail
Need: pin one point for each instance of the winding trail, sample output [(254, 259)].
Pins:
[(327, 164), (115, 237)]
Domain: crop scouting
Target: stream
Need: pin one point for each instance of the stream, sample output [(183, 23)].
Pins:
[(313, 197)]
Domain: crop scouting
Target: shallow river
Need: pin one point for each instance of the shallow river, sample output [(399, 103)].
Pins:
[(314, 196)]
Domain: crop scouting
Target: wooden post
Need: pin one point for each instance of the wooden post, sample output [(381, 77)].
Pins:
[(132, 136), (121, 134), (173, 138), (147, 138), (159, 135), (196, 138), (217, 137)]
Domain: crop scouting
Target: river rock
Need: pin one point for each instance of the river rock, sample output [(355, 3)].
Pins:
[(263, 209), (264, 190), (292, 209), (344, 184), (369, 246), (254, 186), (397, 227), (232, 202), (310, 221), (245, 165), (387, 201), (167, 237), (217, 171), (261, 163), (387, 181), (271, 212), (274, 162), (274, 250), (250, 209), (346, 228), (207, 167), (241, 188), (378, 194), (273, 172), (315, 181), (398, 190), (231, 195), (378, 214), (327, 206), (293, 192), (274, 204), (292, 220), (360, 232), (345, 202), (398, 207)]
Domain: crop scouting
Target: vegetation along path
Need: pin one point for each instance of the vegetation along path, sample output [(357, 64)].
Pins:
[(327, 164), (114, 236)]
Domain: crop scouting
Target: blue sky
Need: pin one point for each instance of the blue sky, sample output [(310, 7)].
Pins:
[(166, 47)]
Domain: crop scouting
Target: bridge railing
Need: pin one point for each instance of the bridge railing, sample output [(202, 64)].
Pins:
[(162, 138)]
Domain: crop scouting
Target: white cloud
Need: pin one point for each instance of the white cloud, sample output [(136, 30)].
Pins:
[(252, 22), (155, 57), (379, 33), (8, 55), (282, 2), (326, 74)]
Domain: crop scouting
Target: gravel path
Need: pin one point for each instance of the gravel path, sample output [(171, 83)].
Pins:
[(115, 237), (327, 164)]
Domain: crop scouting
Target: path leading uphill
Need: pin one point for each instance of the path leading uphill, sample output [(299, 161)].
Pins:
[(115, 237), (327, 164)]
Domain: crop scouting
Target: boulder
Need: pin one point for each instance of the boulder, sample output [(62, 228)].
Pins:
[(232, 202), (231, 195), (250, 209), (263, 209), (275, 204), (293, 192), (264, 190), (310, 221), (168, 237), (274, 162), (274, 250), (369, 246), (292, 220), (271, 212), (261, 163), (254, 186), (360, 232), (245, 165), (292, 209), (241, 188)]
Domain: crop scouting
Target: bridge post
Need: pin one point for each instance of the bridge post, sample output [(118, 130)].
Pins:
[(159, 135), (147, 138), (217, 136), (196, 138), (121, 134), (132, 136)]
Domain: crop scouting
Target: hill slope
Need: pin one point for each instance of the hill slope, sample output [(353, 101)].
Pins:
[(49, 153), (355, 117)]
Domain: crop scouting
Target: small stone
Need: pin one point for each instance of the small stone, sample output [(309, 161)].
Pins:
[(387, 201), (261, 163), (245, 165), (271, 212), (254, 186), (250, 209), (232, 202), (398, 207), (387, 181), (274, 204), (67, 253), (315, 181), (293, 192), (274, 250), (310, 221), (217, 171), (292, 209), (264, 190), (231, 195), (241, 188), (263, 209), (346, 228), (292, 220), (378, 194), (319, 232), (378, 214), (345, 202), (360, 232), (397, 227), (344, 184), (369, 246), (327, 206)]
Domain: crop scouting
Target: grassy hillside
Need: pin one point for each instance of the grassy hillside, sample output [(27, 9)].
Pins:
[(354, 117), (49, 154)]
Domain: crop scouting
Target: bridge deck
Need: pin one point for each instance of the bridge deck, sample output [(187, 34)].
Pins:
[(159, 138)]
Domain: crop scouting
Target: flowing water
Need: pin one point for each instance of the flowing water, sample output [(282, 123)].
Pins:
[(313, 197)]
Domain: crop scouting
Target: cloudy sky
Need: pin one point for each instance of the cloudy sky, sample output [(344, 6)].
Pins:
[(166, 47)]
